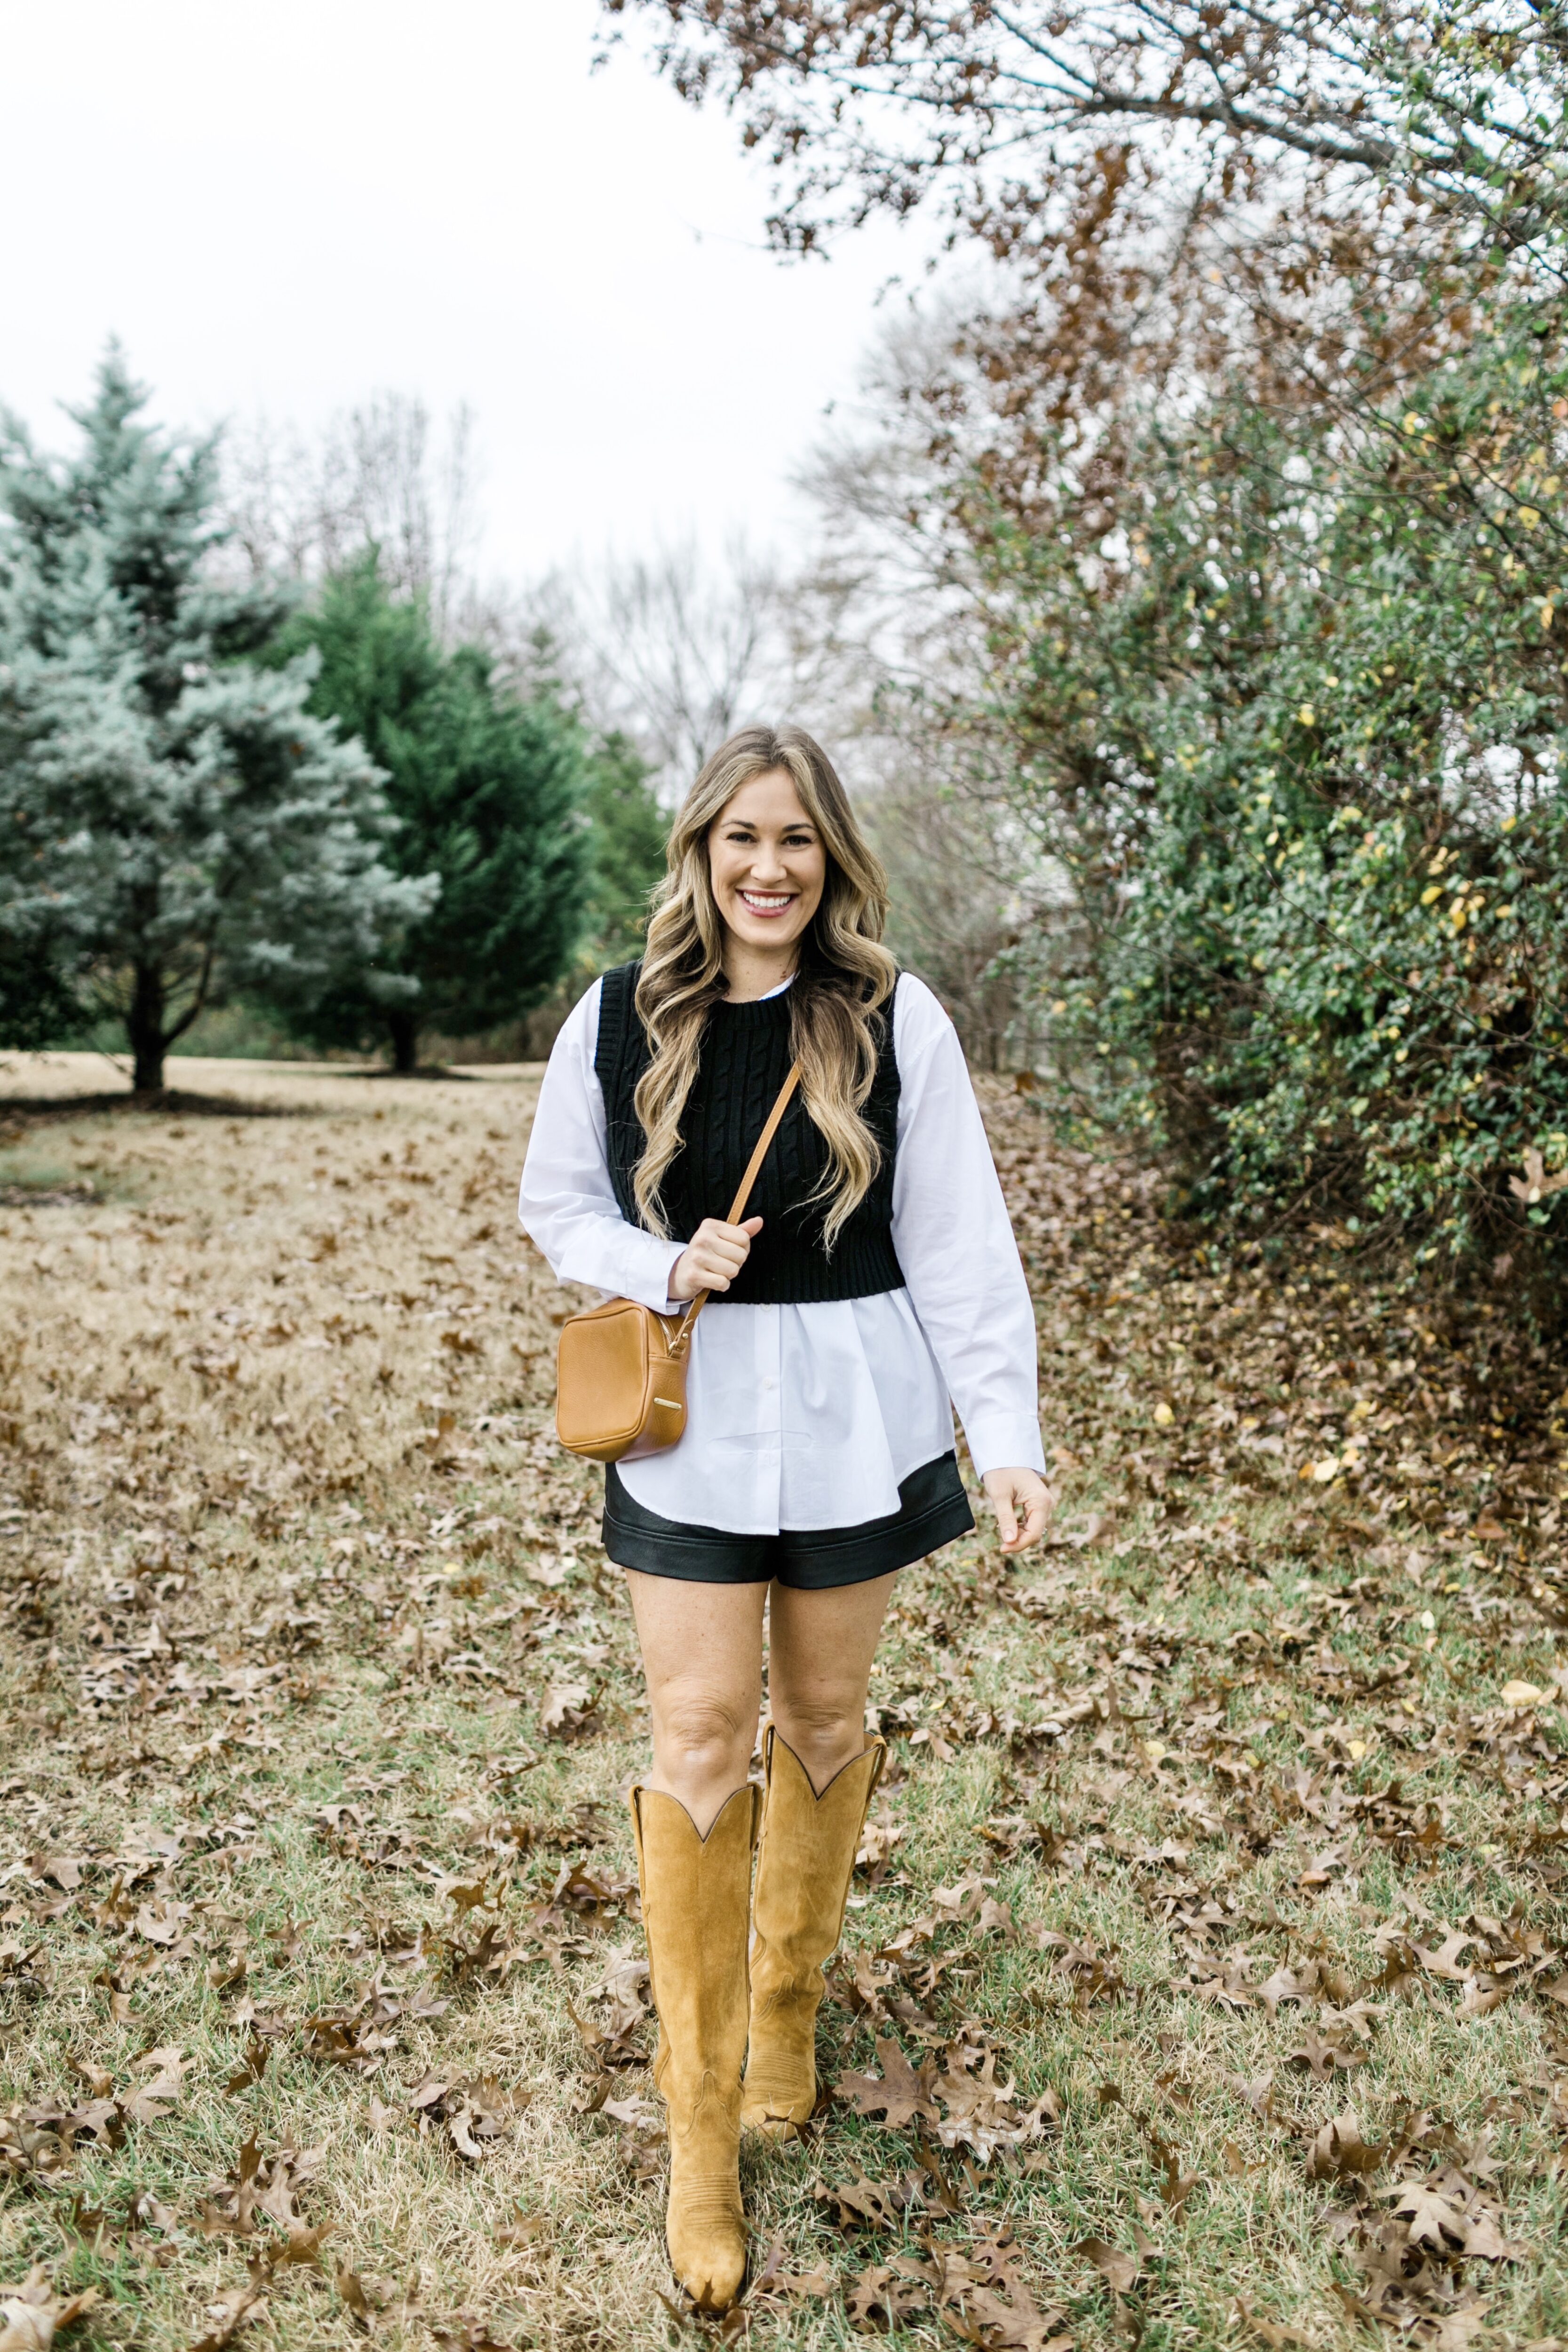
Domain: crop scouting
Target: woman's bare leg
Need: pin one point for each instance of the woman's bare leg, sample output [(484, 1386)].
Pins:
[(820, 1648), (702, 1654)]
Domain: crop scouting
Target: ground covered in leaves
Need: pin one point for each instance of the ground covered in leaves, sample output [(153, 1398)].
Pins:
[(1204, 1980)]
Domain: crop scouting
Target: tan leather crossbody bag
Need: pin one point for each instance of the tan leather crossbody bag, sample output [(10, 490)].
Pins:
[(620, 1369)]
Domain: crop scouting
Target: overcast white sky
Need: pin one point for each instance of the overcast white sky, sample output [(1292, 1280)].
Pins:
[(283, 207)]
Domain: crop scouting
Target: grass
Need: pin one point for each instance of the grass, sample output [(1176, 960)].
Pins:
[(321, 1703)]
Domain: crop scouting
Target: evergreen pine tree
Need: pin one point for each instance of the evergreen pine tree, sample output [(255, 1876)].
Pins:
[(628, 830), (174, 820), (488, 791)]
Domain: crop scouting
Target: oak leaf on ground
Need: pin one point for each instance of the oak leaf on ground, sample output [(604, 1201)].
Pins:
[(32, 2315), (901, 2092)]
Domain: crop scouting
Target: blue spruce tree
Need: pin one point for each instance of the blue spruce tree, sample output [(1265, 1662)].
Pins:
[(175, 822)]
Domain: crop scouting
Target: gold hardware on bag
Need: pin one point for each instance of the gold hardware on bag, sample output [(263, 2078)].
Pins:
[(620, 1369)]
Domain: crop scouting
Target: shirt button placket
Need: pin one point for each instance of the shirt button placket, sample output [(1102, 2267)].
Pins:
[(771, 1324)]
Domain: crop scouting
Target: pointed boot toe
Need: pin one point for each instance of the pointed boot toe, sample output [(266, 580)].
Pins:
[(780, 2090), (774, 2113), (705, 2225)]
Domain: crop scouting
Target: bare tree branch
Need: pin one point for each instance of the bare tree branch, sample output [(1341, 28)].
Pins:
[(671, 649), (376, 477), (861, 107)]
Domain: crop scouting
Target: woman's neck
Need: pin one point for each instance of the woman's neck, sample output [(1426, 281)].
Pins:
[(751, 972)]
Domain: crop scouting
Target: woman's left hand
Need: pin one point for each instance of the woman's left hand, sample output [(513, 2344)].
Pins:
[(1022, 1503)]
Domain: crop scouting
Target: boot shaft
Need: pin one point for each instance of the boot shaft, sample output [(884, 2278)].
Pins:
[(807, 1858), (696, 1904)]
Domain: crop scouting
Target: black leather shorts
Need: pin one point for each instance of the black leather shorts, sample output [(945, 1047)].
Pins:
[(932, 1510)]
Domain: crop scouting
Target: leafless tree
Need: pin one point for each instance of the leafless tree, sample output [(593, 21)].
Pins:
[(672, 649), (379, 475), (893, 621)]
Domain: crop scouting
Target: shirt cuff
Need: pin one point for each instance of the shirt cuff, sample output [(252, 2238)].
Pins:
[(648, 1265), (1004, 1440)]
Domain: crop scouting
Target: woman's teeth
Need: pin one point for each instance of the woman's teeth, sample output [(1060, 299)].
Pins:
[(767, 902)]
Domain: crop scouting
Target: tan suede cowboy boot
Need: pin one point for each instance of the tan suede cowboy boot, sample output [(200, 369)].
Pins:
[(802, 1884), (695, 1898)]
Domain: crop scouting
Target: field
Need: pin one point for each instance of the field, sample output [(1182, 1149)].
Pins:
[(1205, 1982)]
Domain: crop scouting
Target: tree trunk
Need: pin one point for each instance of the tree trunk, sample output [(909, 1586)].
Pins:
[(146, 1024), (405, 1030)]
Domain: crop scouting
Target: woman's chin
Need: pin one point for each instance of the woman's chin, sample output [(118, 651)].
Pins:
[(772, 934)]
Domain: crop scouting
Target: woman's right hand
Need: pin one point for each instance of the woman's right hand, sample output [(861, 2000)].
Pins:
[(713, 1256)]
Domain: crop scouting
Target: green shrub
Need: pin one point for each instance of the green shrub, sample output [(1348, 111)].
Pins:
[(1287, 692)]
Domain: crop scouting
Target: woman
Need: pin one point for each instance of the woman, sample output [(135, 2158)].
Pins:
[(877, 1279)]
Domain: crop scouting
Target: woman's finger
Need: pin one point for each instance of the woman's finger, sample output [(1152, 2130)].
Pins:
[(1007, 1518), (714, 1256), (717, 1265), (1039, 1511), (732, 1237), (725, 1256)]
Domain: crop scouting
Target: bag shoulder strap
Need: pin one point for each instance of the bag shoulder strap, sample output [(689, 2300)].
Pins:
[(755, 1165), (738, 1205)]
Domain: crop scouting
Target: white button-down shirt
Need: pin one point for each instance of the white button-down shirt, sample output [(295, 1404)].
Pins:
[(810, 1416)]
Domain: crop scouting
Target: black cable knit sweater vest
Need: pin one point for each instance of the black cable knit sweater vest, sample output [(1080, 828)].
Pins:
[(745, 1060)]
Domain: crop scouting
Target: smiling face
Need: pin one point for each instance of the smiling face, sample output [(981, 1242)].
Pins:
[(768, 867)]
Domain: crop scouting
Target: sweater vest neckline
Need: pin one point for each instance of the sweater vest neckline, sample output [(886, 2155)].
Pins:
[(745, 1057)]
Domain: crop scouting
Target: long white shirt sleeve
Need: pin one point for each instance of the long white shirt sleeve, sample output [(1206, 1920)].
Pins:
[(568, 1204), (954, 1242), (811, 1416)]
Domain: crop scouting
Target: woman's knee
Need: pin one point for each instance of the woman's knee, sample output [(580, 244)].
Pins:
[(702, 1729), (824, 1728)]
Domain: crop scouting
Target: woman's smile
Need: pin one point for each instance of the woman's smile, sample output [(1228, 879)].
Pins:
[(767, 902)]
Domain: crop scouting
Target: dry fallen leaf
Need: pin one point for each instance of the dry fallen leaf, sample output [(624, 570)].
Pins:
[(476, 2113), (32, 2315), (351, 2287), (1340, 2148), (523, 2229), (879, 2299), (1269, 2331), (1120, 2271), (775, 2278), (149, 2105), (901, 2094), (1258, 2091), (252, 2066), (1322, 2056), (232, 2310), (877, 2204), (570, 1711)]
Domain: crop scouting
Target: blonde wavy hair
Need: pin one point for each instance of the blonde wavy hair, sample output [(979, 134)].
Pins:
[(844, 976)]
